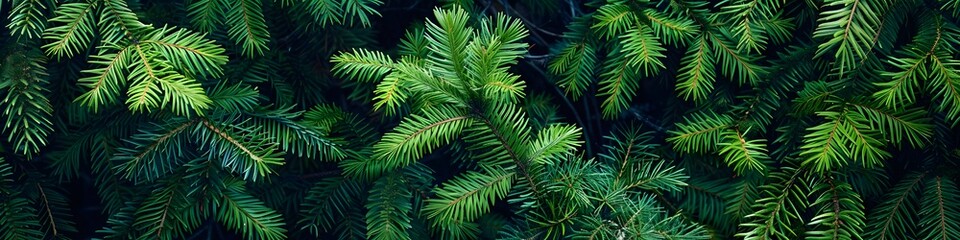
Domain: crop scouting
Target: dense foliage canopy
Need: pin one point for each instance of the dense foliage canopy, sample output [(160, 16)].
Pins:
[(480, 119)]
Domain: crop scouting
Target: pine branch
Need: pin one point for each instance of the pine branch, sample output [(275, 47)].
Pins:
[(362, 65), (844, 137), (575, 63), (205, 15), (118, 23), (188, 51), (27, 18), (841, 213), (247, 26), (467, 196), (416, 136), (553, 142), (247, 215), (777, 212), (937, 216), (672, 28), (448, 38), (614, 19), (155, 151), (619, 85), (155, 84), (848, 31), (327, 203), (697, 76), (27, 108), (642, 48), (104, 83), (742, 154), (389, 209), (894, 215), (76, 34), (733, 63), (700, 132), (241, 150)]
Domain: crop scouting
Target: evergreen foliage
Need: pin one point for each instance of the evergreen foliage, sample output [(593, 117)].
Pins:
[(481, 119)]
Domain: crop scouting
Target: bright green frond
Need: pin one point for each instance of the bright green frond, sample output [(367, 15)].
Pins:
[(118, 23), (347, 12), (697, 75), (188, 51), (779, 208), (700, 132), (653, 176), (501, 137), (672, 28), (361, 10), (74, 29), (508, 30), (155, 85), (901, 89), (428, 88), (234, 97), (844, 137), (619, 84), (840, 214), (27, 18), (747, 18), (414, 43), (779, 28), (614, 19), (102, 84), (448, 37), (503, 87), (416, 136), (183, 96), (390, 93), (362, 65), (554, 141), (945, 84), (911, 124), (490, 55), (325, 12), (849, 28), (744, 154), (642, 48), (735, 64), (467, 196), (575, 63)]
